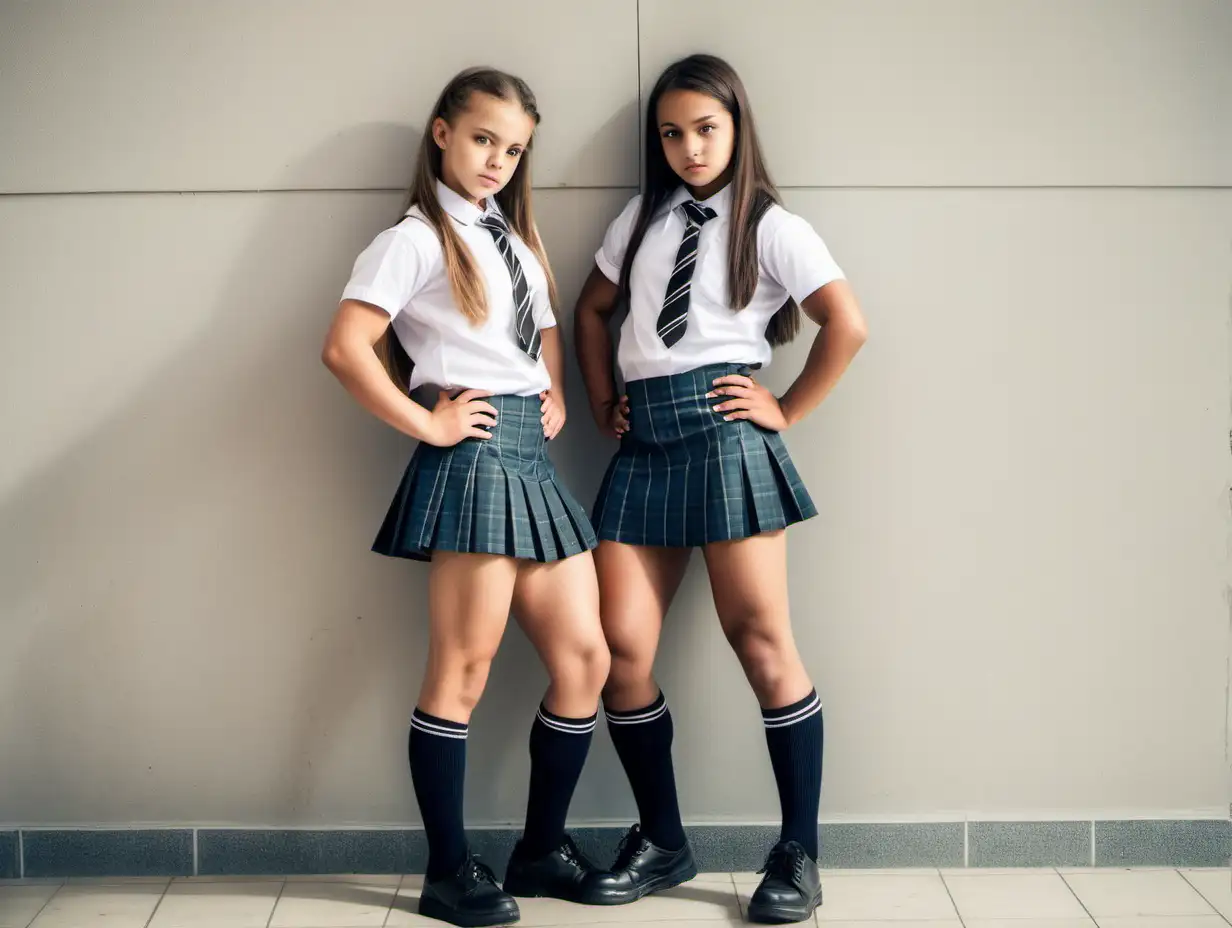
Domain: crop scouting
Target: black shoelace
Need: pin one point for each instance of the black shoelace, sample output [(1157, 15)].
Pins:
[(476, 872), (786, 862), (630, 846)]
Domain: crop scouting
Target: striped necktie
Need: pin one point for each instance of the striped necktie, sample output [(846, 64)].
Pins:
[(674, 317), (523, 319)]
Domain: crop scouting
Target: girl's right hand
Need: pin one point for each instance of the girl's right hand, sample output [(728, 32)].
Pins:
[(464, 416), (613, 419)]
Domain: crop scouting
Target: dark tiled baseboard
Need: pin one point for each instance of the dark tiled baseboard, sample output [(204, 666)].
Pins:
[(10, 855), (1029, 844), (1158, 843), (51, 852), (118, 852)]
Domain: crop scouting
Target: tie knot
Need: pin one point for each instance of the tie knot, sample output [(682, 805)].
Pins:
[(494, 222), (697, 214)]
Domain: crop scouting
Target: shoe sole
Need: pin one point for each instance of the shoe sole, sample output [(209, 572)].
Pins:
[(513, 888), (431, 908), (668, 881), (783, 914)]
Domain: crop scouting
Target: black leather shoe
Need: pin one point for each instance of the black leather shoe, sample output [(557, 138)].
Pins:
[(559, 874), (470, 898), (641, 868), (790, 889)]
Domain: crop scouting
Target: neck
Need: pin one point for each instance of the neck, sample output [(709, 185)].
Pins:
[(706, 192), (450, 181)]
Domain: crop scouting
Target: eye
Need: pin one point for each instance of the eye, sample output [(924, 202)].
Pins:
[(515, 152), (706, 130), (671, 134), (482, 139)]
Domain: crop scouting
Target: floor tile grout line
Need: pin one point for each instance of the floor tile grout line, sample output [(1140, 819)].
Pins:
[(277, 899), (55, 892), (1198, 890), (158, 904), (1074, 893), (1092, 841), (953, 901), (392, 902)]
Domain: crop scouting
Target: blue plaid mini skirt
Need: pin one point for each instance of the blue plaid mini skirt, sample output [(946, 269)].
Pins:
[(684, 477), (495, 496)]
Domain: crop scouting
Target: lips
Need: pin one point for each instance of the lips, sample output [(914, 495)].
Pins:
[(489, 180)]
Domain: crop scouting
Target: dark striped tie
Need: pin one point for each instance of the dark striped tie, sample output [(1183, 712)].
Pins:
[(523, 318), (674, 317)]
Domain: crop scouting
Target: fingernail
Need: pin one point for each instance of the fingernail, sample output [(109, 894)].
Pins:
[(711, 395), (727, 418)]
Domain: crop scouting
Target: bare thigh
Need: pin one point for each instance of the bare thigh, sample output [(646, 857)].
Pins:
[(636, 586), (557, 605), (748, 579), (468, 603)]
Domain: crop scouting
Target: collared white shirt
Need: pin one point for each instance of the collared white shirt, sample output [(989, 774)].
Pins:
[(792, 259), (403, 273)]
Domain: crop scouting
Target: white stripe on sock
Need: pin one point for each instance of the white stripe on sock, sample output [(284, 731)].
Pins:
[(639, 719), (813, 707), (582, 727), (431, 729)]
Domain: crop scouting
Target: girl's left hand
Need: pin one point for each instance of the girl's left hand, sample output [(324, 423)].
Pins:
[(749, 400), (553, 418)]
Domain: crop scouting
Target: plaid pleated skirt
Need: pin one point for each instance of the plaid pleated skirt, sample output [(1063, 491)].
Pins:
[(684, 477), (487, 496)]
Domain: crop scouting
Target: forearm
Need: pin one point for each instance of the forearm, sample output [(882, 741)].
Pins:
[(554, 359), (594, 354), (836, 344), (359, 370)]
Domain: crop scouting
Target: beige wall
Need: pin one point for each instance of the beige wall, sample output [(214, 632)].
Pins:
[(1014, 601)]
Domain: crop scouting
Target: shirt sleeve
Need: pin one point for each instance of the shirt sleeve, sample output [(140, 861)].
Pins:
[(541, 307), (797, 259), (611, 254), (390, 271)]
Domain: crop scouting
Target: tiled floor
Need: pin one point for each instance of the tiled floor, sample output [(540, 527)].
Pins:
[(1065, 898)]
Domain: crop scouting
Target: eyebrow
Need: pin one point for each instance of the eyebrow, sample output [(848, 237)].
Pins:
[(664, 125), (496, 138)]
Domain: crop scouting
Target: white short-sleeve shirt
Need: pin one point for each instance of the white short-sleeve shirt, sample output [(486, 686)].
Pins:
[(792, 258), (403, 273)]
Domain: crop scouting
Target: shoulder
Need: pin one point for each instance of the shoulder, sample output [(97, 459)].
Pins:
[(415, 231), (630, 210), (778, 224)]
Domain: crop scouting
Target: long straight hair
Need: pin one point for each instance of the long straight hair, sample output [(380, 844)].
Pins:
[(753, 192), (514, 198)]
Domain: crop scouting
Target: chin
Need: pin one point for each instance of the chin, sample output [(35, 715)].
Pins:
[(694, 180)]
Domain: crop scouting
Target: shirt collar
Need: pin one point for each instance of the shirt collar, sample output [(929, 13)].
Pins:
[(719, 202), (461, 208)]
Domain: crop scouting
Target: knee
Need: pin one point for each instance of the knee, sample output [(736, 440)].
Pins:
[(471, 678), (583, 667), (767, 657), (630, 665)]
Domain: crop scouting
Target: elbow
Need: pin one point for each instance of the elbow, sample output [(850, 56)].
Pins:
[(859, 331), (584, 314), (332, 356)]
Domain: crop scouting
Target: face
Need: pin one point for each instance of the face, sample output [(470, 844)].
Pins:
[(698, 137), (482, 149)]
